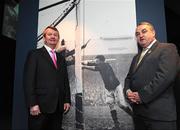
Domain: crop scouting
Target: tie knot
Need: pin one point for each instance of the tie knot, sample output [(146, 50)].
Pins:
[(53, 54), (52, 51), (144, 49)]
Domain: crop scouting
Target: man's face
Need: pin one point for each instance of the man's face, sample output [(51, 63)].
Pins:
[(51, 37), (97, 61), (144, 35)]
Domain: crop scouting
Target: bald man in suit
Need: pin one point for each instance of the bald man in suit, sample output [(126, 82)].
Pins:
[(150, 81)]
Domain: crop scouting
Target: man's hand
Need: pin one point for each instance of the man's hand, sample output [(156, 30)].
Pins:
[(84, 62), (66, 107), (133, 97), (35, 110)]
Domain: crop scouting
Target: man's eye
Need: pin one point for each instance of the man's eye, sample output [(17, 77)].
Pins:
[(49, 34), (144, 31), (137, 34)]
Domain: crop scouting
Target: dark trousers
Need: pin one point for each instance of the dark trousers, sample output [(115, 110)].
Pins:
[(145, 124), (46, 121)]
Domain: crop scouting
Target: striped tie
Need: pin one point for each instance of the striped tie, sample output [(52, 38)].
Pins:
[(53, 56), (142, 55)]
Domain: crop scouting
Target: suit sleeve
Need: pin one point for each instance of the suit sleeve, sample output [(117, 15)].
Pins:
[(128, 77), (29, 82), (164, 76)]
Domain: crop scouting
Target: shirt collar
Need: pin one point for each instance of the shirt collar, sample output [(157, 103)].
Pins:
[(150, 45), (48, 48)]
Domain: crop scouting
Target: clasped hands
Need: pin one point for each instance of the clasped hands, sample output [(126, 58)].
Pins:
[(133, 97)]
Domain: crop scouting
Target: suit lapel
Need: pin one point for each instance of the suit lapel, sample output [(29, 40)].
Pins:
[(145, 56), (47, 56), (58, 60)]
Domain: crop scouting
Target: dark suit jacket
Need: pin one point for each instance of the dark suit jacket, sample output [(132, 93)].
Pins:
[(154, 79), (177, 90), (45, 85)]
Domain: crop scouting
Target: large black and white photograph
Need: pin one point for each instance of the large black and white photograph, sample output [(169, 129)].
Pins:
[(97, 39), (105, 62)]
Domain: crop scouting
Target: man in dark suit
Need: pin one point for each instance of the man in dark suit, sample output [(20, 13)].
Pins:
[(150, 81), (46, 84)]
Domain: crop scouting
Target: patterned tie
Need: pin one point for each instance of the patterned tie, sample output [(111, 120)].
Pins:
[(142, 55), (53, 56)]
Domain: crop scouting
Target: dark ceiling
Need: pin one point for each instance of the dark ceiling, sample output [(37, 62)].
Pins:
[(173, 5)]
